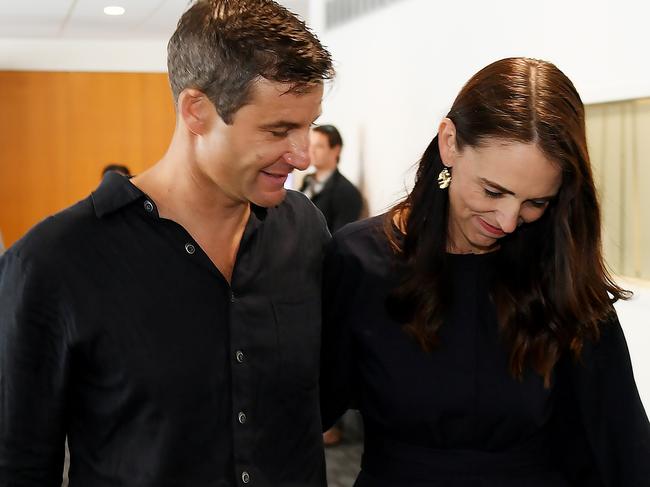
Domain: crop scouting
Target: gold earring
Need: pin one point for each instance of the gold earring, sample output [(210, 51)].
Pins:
[(444, 178)]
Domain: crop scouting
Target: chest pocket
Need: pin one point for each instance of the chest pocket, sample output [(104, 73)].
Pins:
[(298, 330)]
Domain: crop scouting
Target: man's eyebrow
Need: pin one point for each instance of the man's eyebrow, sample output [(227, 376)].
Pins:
[(284, 124), (280, 124), (496, 186)]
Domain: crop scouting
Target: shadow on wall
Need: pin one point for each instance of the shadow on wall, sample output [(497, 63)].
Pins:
[(633, 315)]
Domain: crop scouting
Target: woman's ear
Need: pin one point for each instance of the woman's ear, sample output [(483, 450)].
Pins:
[(447, 142), (196, 111)]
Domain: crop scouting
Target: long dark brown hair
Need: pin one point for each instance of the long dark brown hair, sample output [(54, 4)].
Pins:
[(553, 289)]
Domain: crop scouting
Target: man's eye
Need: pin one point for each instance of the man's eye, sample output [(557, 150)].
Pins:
[(491, 194), (279, 134)]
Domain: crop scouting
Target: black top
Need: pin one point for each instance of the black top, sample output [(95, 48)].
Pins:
[(339, 200), (117, 330), (456, 416)]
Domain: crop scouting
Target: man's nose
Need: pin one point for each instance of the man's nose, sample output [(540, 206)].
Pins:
[(298, 153)]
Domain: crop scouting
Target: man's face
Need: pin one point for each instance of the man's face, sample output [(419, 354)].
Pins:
[(250, 159), (323, 157)]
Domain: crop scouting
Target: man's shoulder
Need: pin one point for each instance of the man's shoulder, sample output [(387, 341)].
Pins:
[(296, 199), (58, 232), (361, 233), (298, 211), (343, 181), (361, 228), (343, 184), (298, 204)]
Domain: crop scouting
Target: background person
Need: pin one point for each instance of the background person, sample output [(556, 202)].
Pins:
[(118, 168), (334, 195)]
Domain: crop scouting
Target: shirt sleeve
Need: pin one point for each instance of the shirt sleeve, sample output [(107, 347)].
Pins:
[(32, 375), (603, 430), (337, 382)]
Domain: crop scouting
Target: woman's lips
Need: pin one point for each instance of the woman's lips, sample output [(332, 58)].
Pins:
[(497, 232)]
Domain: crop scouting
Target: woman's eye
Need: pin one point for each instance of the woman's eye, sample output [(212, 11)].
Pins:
[(491, 194), (538, 203)]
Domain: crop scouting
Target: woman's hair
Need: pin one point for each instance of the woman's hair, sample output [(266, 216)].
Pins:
[(552, 290)]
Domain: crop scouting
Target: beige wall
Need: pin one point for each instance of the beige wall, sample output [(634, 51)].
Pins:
[(58, 130), (618, 135)]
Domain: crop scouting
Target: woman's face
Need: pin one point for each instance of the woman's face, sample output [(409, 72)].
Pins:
[(495, 188)]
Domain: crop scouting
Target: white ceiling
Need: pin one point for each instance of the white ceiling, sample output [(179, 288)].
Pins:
[(85, 19)]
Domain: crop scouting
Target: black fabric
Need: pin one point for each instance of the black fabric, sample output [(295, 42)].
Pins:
[(118, 331), (456, 416), (339, 200)]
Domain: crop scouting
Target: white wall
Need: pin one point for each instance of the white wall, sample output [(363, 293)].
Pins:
[(399, 68)]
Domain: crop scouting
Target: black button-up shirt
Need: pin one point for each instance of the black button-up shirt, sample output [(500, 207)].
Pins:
[(118, 331)]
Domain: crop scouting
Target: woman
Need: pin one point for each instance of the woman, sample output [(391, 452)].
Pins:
[(473, 324)]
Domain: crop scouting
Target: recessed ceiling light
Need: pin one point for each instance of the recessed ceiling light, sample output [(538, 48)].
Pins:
[(114, 10)]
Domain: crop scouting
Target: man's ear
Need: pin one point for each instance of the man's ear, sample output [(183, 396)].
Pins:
[(447, 142), (196, 111), (337, 152)]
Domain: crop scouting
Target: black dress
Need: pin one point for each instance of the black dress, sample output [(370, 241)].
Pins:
[(456, 417)]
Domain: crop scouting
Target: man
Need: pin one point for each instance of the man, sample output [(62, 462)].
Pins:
[(118, 168), (338, 199), (169, 324)]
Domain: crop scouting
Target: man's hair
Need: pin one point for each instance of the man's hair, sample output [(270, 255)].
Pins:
[(116, 168), (334, 138), (331, 132), (221, 47)]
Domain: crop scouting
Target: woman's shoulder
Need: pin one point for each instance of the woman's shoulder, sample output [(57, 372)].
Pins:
[(362, 236), (362, 227)]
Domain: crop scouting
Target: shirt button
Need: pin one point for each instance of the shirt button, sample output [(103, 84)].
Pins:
[(241, 417), (148, 205), (189, 248), (245, 477), (233, 298), (239, 356)]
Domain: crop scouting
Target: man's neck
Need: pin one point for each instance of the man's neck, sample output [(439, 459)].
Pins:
[(183, 194), (214, 221), (323, 175)]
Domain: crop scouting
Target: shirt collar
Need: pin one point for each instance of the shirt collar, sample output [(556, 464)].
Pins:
[(116, 191), (259, 211)]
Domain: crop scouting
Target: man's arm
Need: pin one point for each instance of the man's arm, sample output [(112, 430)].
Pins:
[(33, 363)]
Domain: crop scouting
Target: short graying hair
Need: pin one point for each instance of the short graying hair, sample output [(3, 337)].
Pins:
[(221, 47)]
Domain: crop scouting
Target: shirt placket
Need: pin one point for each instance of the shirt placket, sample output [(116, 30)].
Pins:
[(241, 362)]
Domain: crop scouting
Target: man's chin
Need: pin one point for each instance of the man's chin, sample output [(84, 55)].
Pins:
[(270, 199)]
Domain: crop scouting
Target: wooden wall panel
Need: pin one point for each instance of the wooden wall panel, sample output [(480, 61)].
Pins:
[(58, 130)]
